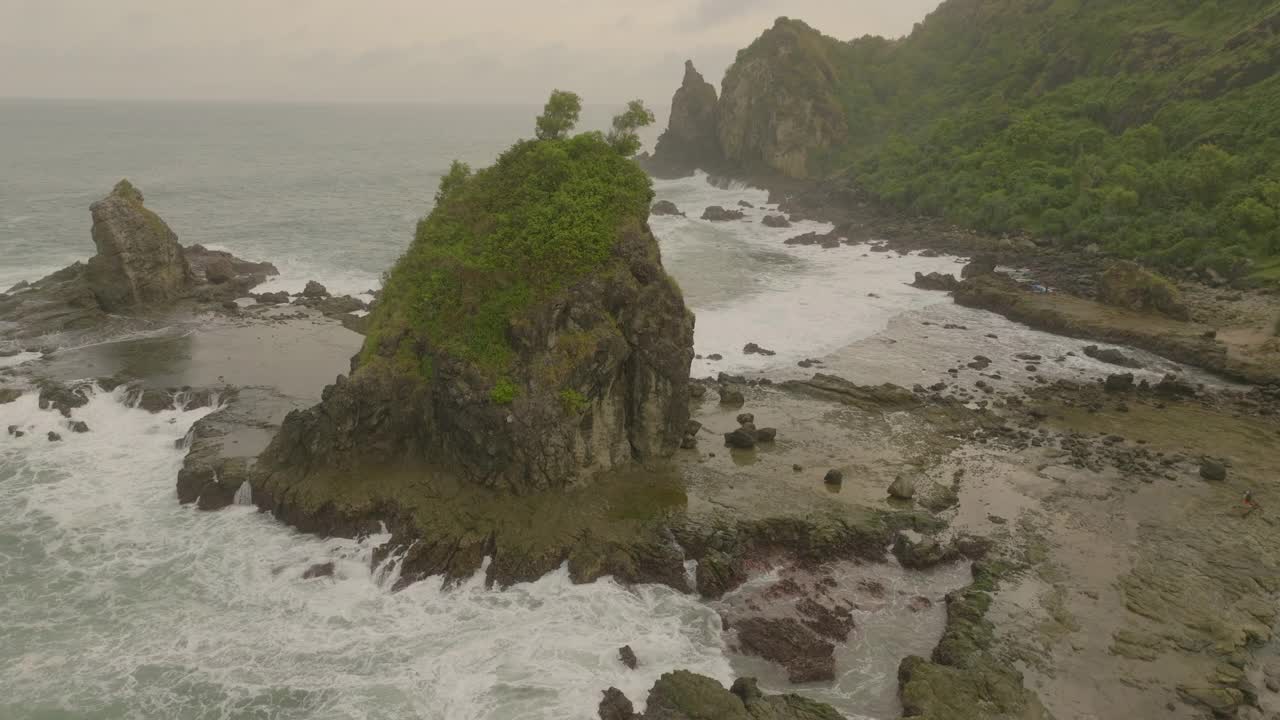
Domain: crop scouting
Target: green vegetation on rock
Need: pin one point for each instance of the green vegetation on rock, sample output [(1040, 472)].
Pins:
[(503, 238), (1148, 127)]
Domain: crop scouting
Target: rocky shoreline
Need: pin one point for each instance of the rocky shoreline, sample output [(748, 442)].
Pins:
[(968, 471)]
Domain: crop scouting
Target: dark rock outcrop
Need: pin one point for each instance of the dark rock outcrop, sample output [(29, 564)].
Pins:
[(682, 695), (1111, 356), (628, 657), (139, 260), (690, 141), (936, 281), (715, 213), (786, 641), (776, 221), (665, 207)]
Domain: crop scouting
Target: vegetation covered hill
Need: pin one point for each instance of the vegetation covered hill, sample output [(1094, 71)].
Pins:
[(1148, 127)]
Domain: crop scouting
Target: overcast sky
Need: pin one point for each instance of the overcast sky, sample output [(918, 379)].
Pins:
[(416, 50)]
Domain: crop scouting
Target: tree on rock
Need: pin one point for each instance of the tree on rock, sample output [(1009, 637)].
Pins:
[(623, 137), (559, 115)]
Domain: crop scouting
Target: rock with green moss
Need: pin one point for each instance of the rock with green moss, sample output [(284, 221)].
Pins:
[(682, 695), (779, 104), (528, 341), (139, 260), (1126, 284)]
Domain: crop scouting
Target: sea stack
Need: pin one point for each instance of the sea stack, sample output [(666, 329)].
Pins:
[(690, 141), (139, 260), (529, 340)]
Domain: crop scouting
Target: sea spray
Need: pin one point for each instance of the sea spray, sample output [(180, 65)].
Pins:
[(120, 603)]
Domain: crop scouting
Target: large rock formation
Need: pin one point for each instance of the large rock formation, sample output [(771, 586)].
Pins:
[(501, 361), (139, 260), (690, 141), (779, 103)]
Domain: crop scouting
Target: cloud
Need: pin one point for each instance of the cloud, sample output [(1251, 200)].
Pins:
[(714, 12)]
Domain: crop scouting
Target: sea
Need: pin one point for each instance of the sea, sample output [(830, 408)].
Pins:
[(117, 603)]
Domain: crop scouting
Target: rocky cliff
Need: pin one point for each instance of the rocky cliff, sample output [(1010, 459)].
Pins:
[(690, 140), (529, 340), (139, 260), (779, 104)]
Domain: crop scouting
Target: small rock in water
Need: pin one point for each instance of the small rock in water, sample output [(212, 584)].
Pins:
[(1213, 470), (980, 362), (79, 426), (745, 204), (745, 418), (697, 391), (740, 439), (715, 356), (665, 207), (903, 487), (766, 434), (775, 221), (616, 706), (833, 477), (627, 656), (14, 431), (919, 603), (794, 468), (54, 437), (754, 349), (1111, 356), (318, 570), (732, 397)]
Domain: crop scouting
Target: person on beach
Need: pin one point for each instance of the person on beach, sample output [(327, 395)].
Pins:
[(1249, 503)]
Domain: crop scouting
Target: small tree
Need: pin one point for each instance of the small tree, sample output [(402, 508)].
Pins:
[(559, 115), (452, 180), (623, 136)]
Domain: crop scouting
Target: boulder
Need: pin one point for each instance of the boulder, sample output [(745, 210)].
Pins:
[(690, 140), (314, 289), (1128, 285), (745, 418), (754, 349), (718, 573), (665, 207), (273, 298), (833, 477), (731, 396), (616, 706), (139, 260), (903, 487), (766, 435), (936, 281), (627, 656), (1120, 382), (775, 221), (79, 426), (218, 270), (1111, 356), (740, 439), (1213, 470), (978, 266), (923, 554), (715, 213), (53, 436)]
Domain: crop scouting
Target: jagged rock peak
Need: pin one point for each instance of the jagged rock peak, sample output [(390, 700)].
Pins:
[(139, 260), (690, 140)]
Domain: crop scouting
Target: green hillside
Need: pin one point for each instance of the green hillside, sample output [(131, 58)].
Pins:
[(1148, 127)]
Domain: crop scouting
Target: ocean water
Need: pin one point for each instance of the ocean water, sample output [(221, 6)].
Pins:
[(117, 603)]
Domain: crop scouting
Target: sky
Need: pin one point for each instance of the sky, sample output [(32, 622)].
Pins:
[(397, 50)]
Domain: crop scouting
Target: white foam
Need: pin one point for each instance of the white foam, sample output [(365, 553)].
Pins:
[(119, 602), (18, 359), (746, 285)]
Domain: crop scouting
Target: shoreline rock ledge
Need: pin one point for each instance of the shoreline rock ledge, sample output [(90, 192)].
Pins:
[(496, 368)]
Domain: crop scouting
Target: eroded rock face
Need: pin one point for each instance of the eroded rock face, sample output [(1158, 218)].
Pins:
[(600, 379), (139, 260), (690, 141), (778, 103)]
